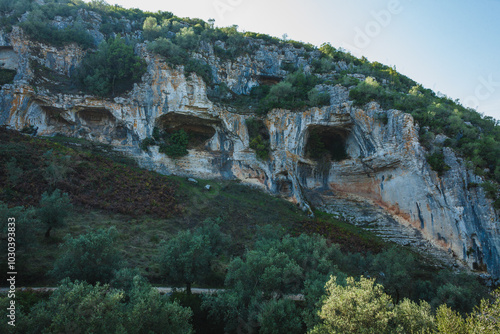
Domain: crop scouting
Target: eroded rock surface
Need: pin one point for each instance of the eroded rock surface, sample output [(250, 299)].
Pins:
[(380, 180)]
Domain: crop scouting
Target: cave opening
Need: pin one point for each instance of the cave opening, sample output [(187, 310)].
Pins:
[(96, 116), (199, 130), (326, 143), (54, 116)]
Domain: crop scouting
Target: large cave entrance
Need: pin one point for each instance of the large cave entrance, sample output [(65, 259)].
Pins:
[(199, 130), (326, 143)]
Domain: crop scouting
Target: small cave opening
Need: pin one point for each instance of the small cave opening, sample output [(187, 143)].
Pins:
[(268, 80), (199, 130), (96, 116), (284, 185), (54, 116), (326, 143)]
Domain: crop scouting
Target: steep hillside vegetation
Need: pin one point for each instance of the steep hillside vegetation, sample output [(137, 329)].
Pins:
[(143, 208)]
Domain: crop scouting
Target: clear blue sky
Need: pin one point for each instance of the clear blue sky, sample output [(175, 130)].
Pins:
[(450, 46)]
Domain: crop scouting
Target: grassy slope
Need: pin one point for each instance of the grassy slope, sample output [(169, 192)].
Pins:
[(108, 190)]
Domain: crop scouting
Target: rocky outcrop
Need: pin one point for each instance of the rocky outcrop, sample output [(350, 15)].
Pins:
[(379, 179)]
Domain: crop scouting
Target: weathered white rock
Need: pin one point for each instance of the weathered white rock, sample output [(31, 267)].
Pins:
[(385, 170)]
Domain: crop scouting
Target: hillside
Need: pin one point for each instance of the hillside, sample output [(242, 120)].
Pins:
[(137, 134), (250, 217)]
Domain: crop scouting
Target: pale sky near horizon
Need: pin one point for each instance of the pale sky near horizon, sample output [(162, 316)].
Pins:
[(450, 46)]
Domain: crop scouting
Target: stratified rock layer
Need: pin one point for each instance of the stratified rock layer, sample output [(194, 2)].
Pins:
[(383, 182)]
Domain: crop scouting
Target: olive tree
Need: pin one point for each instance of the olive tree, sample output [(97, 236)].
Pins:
[(91, 257), (53, 210)]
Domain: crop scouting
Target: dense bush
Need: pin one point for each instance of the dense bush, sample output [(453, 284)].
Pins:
[(296, 92), (258, 137), (7, 76), (173, 53), (78, 307), (39, 27), (363, 307), (26, 224), (436, 161), (11, 10), (91, 257), (112, 69), (186, 258), (201, 68), (175, 146), (370, 90), (54, 208)]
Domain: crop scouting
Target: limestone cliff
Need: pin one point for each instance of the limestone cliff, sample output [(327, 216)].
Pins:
[(384, 180)]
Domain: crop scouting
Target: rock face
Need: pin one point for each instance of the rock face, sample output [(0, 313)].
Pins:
[(380, 180)]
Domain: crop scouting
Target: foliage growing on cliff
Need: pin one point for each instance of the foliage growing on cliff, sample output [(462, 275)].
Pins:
[(258, 137), (475, 137), (112, 69), (6, 76), (40, 28), (177, 50), (295, 92), (175, 146), (436, 161)]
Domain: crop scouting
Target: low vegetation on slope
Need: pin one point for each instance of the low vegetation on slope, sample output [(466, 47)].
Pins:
[(91, 178), (261, 249)]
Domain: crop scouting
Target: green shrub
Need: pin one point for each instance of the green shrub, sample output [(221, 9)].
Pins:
[(112, 70), (258, 137), (39, 28), (7, 76), (91, 257), (296, 92), (151, 29), (187, 39), (436, 161), (29, 130), (186, 258), (146, 142), (176, 145), (288, 66), (490, 189), (317, 98), (13, 171), (370, 90), (173, 53), (383, 118), (202, 69), (54, 209), (323, 65)]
